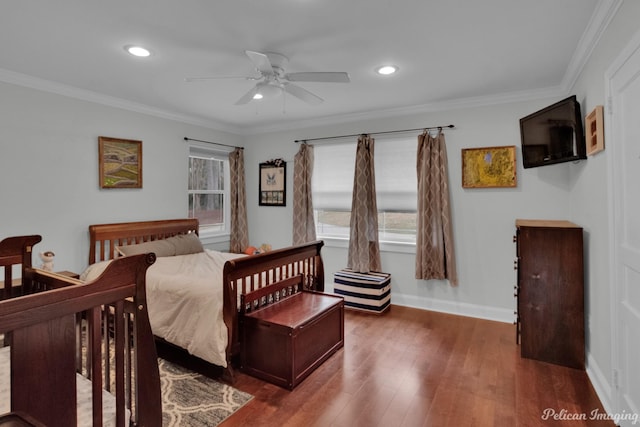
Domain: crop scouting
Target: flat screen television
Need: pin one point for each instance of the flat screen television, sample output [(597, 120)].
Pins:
[(553, 135)]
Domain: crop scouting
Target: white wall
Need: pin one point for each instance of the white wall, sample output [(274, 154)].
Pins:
[(49, 169), (483, 218)]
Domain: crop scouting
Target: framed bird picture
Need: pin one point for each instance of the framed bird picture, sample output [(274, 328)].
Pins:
[(273, 189)]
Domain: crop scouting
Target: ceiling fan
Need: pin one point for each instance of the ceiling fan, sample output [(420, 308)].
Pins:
[(274, 79)]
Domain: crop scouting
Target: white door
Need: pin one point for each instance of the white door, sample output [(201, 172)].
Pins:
[(623, 144)]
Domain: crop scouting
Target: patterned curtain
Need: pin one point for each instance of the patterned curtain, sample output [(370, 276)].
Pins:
[(304, 228), (239, 238), (364, 249), (435, 257)]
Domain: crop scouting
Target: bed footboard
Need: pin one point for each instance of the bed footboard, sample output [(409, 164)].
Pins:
[(99, 329)]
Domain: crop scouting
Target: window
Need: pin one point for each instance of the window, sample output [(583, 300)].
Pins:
[(396, 188), (208, 191)]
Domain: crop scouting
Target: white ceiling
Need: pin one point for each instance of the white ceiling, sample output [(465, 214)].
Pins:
[(448, 51)]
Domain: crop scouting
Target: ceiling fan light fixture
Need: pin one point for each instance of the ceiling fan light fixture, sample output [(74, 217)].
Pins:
[(387, 70), (267, 90), (138, 51)]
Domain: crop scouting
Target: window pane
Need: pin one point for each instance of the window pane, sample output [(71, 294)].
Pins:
[(397, 226), (332, 179), (206, 174), (333, 223), (208, 208), (396, 177)]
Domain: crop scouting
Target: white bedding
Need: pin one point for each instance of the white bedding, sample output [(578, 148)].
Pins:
[(85, 414), (184, 294)]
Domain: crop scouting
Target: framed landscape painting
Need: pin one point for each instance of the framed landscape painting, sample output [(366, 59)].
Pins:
[(488, 167), (120, 162)]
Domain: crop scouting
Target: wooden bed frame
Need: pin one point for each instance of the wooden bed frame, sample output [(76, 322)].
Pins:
[(240, 276), (99, 329), (15, 251)]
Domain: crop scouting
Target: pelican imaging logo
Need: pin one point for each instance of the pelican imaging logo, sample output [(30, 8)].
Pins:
[(596, 414)]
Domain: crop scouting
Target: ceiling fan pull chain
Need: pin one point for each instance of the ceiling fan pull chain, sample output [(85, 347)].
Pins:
[(284, 102)]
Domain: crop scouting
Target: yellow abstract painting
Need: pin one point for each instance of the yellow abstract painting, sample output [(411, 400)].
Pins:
[(488, 167)]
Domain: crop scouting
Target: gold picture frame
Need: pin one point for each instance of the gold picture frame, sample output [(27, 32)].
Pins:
[(594, 130), (120, 162), (489, 167), (273, 188)]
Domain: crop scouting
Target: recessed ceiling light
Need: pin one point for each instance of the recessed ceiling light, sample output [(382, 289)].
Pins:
[(137, 51), (386, 70), (258, 96)]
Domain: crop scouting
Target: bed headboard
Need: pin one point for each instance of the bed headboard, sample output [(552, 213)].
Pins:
[(105, 237)]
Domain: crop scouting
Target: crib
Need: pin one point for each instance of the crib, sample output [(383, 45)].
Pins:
[(78, 353)]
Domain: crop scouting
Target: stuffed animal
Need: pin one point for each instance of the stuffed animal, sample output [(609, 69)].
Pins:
[(265, 247), (47, 260), (252, 250)]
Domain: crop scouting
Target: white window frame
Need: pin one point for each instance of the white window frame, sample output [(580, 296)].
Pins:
[(213, 235)]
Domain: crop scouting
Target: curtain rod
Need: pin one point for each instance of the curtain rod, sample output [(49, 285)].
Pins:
[(374, 133), (211, 142)]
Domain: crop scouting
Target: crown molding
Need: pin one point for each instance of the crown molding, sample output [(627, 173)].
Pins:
[(36, 83), (600, 20)]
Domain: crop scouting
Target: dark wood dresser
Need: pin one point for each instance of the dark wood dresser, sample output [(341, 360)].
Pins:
[(550, 291)]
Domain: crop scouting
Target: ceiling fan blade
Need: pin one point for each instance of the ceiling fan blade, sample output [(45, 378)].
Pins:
[(247, 97), (302, 94), (203, 79), (261, 61), (322, 77)]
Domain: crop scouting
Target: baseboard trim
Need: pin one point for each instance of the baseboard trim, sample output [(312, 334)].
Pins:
[(600, 384), (454, 307)]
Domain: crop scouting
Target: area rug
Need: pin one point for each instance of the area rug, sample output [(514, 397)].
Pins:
[(190, 399)]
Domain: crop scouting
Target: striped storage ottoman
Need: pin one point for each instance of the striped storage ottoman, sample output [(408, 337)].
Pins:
[(363, 291)]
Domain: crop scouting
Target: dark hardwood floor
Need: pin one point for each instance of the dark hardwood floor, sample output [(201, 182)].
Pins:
[(412, 367)]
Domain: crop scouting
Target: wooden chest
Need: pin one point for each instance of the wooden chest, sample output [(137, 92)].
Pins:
[(284, 342)]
